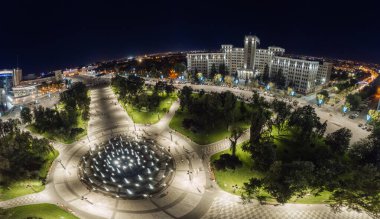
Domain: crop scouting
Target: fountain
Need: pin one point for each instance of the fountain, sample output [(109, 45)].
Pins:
[(124, 167)]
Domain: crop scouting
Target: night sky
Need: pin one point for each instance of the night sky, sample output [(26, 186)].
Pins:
[(49, 35)]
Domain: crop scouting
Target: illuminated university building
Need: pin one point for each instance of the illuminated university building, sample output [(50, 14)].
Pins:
[(249, 62), (8, 79)]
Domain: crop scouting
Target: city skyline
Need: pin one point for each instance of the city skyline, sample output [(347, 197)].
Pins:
[(47, 36)]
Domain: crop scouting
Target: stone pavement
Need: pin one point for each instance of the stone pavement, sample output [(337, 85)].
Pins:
[(227, 207)]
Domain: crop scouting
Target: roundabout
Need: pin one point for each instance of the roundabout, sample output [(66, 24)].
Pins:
[(148, 182), (127, 168)]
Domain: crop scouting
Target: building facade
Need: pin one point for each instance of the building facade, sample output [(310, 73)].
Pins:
[(300, 74), (324, 73)]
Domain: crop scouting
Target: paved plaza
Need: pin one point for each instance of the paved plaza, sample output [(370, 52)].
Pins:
[(190, 194)]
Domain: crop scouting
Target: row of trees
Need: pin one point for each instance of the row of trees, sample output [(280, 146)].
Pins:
[(306, 161), (21, 155), (131, 90), (207, 110)]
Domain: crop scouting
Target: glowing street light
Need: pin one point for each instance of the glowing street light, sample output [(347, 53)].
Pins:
[(235, 187), (368, 118), (345, 109)]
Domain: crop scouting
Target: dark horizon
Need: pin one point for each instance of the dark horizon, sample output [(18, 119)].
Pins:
[(52, 35)]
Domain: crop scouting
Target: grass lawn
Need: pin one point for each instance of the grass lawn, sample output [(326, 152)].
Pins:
[(28, 186), (226, 179), (45, 211), (217, 133), (62, 136), (19, 188), (151, 117)]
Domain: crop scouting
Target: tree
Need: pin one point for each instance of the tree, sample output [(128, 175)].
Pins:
[(185, 97), (169, 88), (213, 71), (282, 111), (265, 76), (284, 180), (280, 79), (179, 67), (354, 100), (259, 120), (360, 191), (223, 70), (236, 133), (339, 140), (26, 115), (194, 75), (251, 189), (263, 154), (375, 115), (228, 100), (306, 120)]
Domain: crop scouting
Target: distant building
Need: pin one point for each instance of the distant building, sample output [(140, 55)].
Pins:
[(8, 79), (250, 61)]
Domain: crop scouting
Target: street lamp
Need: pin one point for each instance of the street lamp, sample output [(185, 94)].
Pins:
[(171, 137), (235, 187), (368, 118), (345, 109), (189, 173)]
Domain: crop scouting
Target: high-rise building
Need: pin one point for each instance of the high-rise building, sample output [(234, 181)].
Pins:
[(17, 76), (250, 45)]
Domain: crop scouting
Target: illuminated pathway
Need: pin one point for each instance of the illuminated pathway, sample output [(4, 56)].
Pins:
[(191, 194)]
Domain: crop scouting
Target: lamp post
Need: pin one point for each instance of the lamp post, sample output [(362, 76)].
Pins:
[(60, 161), (189, 173), (171, 136)]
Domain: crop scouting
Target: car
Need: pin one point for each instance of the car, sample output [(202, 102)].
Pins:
[(360, 125), (351, 117), (364, 127)]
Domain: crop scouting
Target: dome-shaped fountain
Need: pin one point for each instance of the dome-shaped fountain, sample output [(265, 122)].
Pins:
[(127, 168)]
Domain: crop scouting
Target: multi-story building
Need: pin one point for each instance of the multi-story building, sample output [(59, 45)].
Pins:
[(250, 61), (300, 74)]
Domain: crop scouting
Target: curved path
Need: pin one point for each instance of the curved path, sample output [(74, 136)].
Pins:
[(191, 194)]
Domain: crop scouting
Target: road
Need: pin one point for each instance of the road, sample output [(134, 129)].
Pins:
[(189, 195)]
